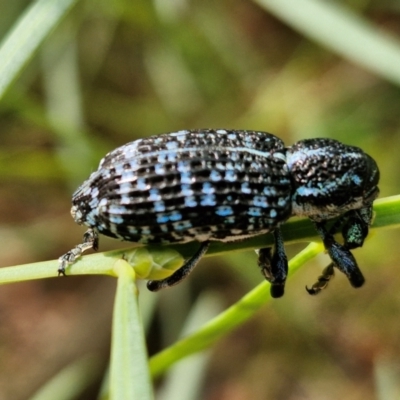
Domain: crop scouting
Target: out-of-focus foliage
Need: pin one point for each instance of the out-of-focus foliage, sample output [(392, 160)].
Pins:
[(117, 70)]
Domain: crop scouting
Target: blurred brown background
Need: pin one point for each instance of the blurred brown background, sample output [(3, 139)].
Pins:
[(118, 70)]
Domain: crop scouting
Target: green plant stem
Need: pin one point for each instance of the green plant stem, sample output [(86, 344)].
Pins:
[(297, 230), (227, 320), (127, 327), (129, 371)]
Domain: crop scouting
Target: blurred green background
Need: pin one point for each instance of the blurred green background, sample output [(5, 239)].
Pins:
[(117, 70)]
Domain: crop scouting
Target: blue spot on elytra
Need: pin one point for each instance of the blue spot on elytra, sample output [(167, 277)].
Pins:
[(224, 211), (162, 157), (282, 201), (90, 218), (159, 169), (254, 212), (117, 209), (230, 175), (303, 191), (154, 195), (159, 206), (245, 188), (116, 219), (93, 203), (260, 201), (208, 200), (171, 157), (182, 225), (141, 184), (186, 190), (125, 187), (269, 191), (215, 175), (207, 188), (186, 177), (171, 145), (190, 201), (175, 216), (183, 166), (162, 218)]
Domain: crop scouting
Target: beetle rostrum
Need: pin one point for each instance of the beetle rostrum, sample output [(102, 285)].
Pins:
[(224, 185)]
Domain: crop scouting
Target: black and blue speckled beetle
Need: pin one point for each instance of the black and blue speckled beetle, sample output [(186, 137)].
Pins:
[(225, 185)]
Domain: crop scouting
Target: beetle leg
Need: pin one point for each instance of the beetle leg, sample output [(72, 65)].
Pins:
[(90, 241), (274, 267), (341, 256), (182, 272), (327, 274), (356, 228)]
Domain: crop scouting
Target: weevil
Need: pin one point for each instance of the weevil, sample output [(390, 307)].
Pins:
[(224, 185)]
